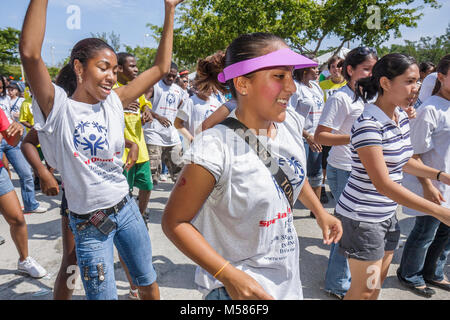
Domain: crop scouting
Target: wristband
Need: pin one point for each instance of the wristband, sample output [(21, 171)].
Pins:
[(439, 173), (221, 269)]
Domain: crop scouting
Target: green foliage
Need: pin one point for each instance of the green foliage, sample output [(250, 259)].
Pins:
[(145, 57), (206, 26), (11, 70), (426, 49), (9, 46), (111, 38)]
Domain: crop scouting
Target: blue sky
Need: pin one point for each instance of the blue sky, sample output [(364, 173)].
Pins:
[(128, 18)]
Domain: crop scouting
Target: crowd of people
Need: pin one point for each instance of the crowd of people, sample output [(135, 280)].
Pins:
[(256, 130)]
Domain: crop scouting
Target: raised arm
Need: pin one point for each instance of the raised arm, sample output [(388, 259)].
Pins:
[(30, 47), (147, 79)]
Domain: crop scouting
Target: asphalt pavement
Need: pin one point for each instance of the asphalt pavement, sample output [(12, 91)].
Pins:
[(175, 271)]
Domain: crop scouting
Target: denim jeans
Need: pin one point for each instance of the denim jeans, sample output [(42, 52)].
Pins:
[(23, 169), (313, 166), (440, 265), (423, 251), (95, 252), (337, 277), (218, 294)]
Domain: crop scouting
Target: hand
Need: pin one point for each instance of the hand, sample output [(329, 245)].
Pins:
[(146, 116), (315, 147), (132, 156), (411, 111), (432, 194), (173, 3), (241, 286), (49, 185), (164, 121), (331, 228), (134, 107), (14, 129)]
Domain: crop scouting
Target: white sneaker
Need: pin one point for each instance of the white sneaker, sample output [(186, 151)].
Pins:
[(39, 209), (30, 266), (163, 177)]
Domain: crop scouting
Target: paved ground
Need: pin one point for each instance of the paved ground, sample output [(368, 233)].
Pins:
[(175, 271)]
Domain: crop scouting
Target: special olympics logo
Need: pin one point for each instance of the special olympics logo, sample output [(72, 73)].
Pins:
[(170, 99), (90, 136)]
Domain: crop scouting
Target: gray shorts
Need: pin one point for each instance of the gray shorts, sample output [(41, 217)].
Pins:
[(368, 241)]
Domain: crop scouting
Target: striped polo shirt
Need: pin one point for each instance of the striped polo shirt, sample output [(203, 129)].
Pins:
[(360, 200)]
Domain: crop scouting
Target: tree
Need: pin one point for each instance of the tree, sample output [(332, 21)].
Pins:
[(206, 26), (111, 38), (145, 57), (9, 46), (426, 49)]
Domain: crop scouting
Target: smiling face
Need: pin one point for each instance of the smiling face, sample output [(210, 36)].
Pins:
[(170, 77), (362, 70), (129, 71), (335, 71), (265, 94), (402, 89), (98, 75)]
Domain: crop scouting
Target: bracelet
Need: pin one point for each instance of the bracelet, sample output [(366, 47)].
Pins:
[(439, 173), (221, 269)]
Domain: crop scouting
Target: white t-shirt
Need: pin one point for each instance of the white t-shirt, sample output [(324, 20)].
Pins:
[(430, 137), (339, 114), (426, 89), (247, 218), (165, 102), (5, 104), (85, 143), (195, 110), (15, 108), (309, 104)]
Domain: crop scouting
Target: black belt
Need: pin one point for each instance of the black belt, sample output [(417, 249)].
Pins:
[(109, 211)]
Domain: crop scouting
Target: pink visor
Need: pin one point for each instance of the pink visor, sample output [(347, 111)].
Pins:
[(283, 57)]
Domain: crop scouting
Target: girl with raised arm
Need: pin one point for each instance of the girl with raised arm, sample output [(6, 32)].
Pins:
[(81, 128)]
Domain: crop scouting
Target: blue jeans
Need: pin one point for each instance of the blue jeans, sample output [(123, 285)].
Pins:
[(424, 250), (6, 185), (313, 166), (218, 294), (23, 169), (337, 277), (95, 253)]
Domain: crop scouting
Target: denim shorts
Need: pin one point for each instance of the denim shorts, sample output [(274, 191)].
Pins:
[(6, 185), (95, 252), (368, 241), (218, 294)]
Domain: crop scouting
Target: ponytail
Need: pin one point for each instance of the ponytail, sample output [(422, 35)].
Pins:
[(366, 89), (67, 79), (442, 67)]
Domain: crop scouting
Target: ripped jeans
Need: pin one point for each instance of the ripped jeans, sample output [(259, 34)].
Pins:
[(95, 253)]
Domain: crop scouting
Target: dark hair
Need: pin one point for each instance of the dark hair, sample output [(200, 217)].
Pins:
[(122, 57), (442, 67), (424, 66), (300, 73), (82, 51), (173, 65), (333, 59), (207, 71), (390, 66), (355, 57), (247, 46), (3, 93)]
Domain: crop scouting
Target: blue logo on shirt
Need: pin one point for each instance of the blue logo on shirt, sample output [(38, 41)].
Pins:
[(90, 137)]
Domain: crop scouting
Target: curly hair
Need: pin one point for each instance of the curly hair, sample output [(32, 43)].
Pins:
[(207, 71)]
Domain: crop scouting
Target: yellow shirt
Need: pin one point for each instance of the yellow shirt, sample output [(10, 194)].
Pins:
[(329, 87), (25, 112), (133, 129)]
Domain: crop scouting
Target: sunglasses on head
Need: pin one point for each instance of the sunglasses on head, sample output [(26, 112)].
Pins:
[(366, 51)]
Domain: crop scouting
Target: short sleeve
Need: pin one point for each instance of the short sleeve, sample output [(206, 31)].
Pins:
[(334, 112), (207, 150), (4, 123), (422, 128), (365, 132), (230, 105), (184, 113), (50, 124)]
